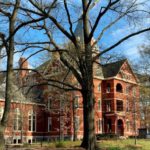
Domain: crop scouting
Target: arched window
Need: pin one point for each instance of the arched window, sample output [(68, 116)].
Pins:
[(108, 88), (32, 121), (17, 119), (119, 88)]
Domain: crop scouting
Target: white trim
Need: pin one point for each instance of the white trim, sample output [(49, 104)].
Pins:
[(33, 118), (110, 78)]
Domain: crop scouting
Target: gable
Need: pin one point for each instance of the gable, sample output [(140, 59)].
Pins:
[(112, 69), (126, 73)]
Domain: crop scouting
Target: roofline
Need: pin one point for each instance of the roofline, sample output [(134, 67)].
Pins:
[(131, 70), (109, 78)]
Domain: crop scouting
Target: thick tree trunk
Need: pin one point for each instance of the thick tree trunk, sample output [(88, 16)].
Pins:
[(9, 73), (2, 142), (89, 141)]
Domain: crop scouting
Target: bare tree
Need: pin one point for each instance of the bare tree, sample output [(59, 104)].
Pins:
[(143, 74), (11, 23), (79, 61)]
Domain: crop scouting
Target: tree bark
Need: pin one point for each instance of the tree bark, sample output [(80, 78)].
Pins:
[(2, 145), (9, 73), (89, 140)]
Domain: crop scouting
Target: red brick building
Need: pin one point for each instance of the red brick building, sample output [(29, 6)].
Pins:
[(50, 114)]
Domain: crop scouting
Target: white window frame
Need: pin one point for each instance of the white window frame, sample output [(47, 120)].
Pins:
[(31, 119), (99, 87), (17, 120)]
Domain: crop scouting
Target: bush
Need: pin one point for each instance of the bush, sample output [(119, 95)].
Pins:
[(60, 144), (106, 136)]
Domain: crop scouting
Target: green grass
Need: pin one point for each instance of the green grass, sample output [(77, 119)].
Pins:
[(103, 144), (57, 144), (124, 144)]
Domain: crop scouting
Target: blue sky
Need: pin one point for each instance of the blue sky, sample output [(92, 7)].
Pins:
[(128, 48)]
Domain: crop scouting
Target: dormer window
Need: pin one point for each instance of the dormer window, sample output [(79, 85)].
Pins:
[(108, 88), (119, 88)]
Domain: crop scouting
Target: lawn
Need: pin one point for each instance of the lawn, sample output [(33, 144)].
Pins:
[(103, 144), (128, 144)]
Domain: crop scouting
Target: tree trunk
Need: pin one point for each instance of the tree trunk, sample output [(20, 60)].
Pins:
[(9, 73), (2, 142), (89, 140)]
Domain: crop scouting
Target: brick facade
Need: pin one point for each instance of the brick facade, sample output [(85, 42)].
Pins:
[(59, 115)]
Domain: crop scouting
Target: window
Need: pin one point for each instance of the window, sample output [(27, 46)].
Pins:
[(134, 91), (49, 124), (109, 124), (127, 89), (119, 88), (108, 88), (76, 102), (127, 105), (1, 112), (32, 121), (17, 119), (99, 104), (128, 126), (77, 123), (99, 87), (119, 105), (99, 125), (108, 106)]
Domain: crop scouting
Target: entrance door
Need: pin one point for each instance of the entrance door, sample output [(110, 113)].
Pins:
[(120, 129)]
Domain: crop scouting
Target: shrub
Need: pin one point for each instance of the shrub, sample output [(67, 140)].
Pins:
[(106, 136), (60, 144)]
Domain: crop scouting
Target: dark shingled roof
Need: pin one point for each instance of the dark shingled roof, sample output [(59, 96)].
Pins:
[(112, 69)]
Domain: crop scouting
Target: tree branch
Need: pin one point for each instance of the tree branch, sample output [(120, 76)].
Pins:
[(121, 41)]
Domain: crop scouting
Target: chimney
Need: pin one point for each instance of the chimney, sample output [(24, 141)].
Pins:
[(23, 64)]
